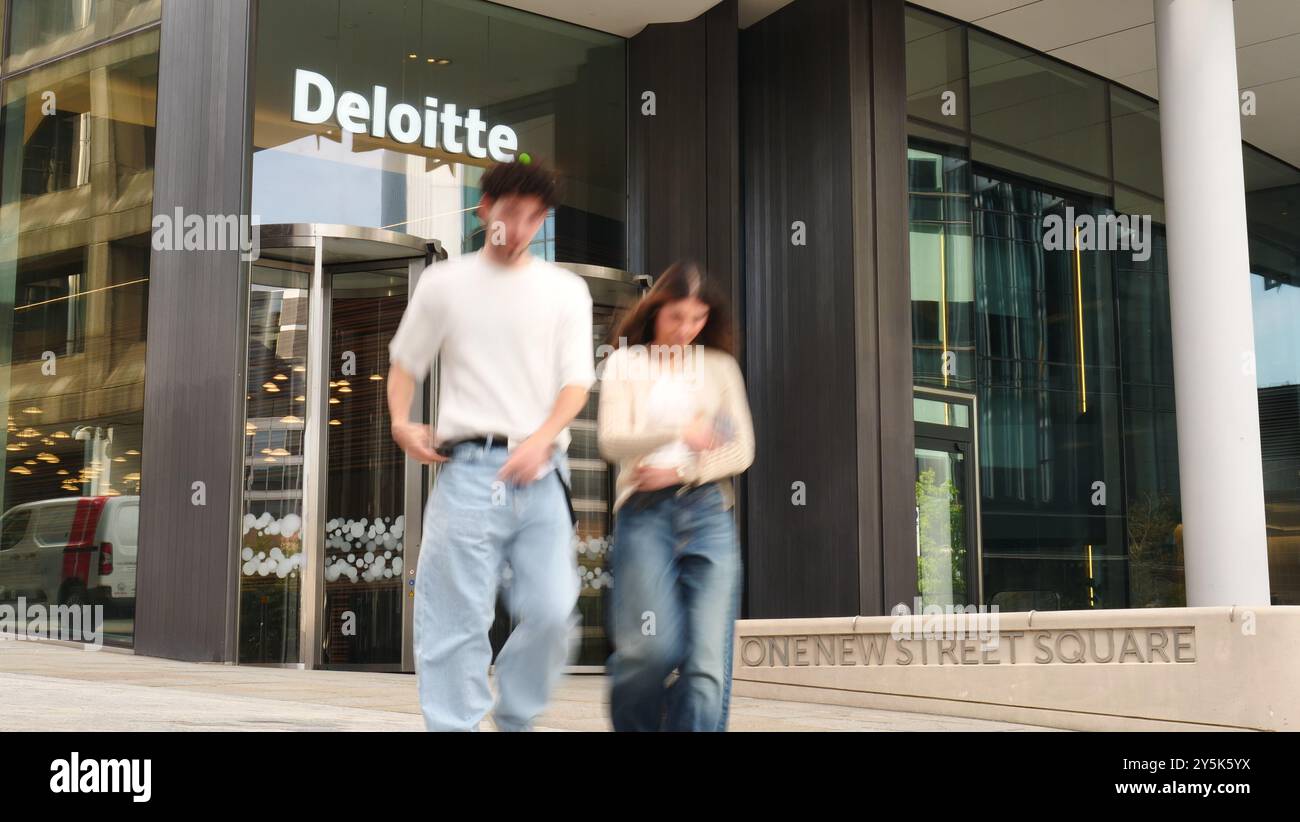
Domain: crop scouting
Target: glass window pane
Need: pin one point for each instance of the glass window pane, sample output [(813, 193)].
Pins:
[(928, 132), (1273, 224), (941, 540), (939, 412), (54, 522), (1135, 134), (555, 90), (16, 521), (1152, 503), (77, 196), (1128, 201), (1037, 105), (1000, 157), (942, 280), (43, 29), (936, 69), (1049, 426)]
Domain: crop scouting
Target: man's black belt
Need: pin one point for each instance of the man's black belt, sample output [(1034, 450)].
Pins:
[(502, 441), (484, 440)]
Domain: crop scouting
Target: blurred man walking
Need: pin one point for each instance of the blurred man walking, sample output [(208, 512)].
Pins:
[(513, 334)]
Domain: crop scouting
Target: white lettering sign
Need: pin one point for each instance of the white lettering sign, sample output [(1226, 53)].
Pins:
[(460, 134)]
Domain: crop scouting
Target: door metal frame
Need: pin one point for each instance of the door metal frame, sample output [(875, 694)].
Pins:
[(396, 248), (610, 288), (927, 431), (314, 451), (418, 484)]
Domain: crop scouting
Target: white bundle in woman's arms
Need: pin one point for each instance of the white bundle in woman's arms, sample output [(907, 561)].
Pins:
[(724, 429)]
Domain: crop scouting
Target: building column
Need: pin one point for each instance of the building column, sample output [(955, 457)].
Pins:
[(827, 307), (187, 583), (1220, 468)]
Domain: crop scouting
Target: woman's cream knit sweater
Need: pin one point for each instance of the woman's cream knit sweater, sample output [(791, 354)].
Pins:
[(626, 434)]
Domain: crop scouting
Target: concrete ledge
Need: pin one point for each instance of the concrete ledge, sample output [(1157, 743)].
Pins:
[(1141, 669)]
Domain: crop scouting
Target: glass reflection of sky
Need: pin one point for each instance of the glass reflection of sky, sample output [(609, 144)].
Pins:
[(1277, 345)]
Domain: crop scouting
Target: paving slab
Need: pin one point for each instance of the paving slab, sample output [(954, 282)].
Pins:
[(57, 687)]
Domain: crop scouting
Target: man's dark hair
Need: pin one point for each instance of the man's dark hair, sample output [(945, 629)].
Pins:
[(504, 179)]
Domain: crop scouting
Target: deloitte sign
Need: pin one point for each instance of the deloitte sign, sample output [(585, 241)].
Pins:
[(406, 123)]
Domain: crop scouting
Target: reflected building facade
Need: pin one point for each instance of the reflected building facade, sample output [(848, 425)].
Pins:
[(76, 206)]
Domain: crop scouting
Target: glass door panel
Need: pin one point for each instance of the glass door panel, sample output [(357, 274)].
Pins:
[(942, 546), (592, 485), (271, 556), (365, 522), (947, 498)]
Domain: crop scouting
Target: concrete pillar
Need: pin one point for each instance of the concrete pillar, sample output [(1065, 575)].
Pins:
[(1220, 468)]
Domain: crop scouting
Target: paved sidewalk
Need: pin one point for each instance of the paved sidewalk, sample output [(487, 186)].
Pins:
[(53, 687)]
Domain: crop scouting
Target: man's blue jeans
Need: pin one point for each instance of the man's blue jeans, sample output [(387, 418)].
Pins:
[(474, 525), (676, 594)]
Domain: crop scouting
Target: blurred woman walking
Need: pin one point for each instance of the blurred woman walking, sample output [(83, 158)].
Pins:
[(675, 419)]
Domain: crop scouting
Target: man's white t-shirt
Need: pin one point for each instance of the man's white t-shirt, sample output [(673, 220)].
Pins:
[(509, 340)]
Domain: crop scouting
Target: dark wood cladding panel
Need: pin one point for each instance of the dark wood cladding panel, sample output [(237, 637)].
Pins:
[(866, 325), (667, 151), (893, 301), (723, 149), (828, 326), (796, 161), (194, 387), (683, 161)]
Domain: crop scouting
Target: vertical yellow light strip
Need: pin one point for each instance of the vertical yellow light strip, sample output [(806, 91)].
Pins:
[(943, 320), (1092, 594), (943, 307), (1078, 298)]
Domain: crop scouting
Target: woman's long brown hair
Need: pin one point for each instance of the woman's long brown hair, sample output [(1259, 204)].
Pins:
[(682, 279)]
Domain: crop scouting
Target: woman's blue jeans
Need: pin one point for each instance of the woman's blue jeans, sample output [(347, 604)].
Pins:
[(676, 593)]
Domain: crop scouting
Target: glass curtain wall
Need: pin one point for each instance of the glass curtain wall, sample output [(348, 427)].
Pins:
[(1048, 388), (76, 201), (1068, 352), (1273, 221)]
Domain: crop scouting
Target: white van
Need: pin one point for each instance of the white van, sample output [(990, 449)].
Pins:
[(71, 551)]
